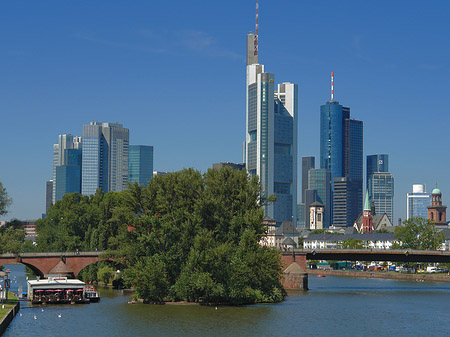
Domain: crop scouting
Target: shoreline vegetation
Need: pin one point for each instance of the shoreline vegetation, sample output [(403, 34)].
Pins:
[(419, 277), (186, 236)]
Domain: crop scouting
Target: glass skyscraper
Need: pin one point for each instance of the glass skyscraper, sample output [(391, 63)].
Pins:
[(376, 163), (341, 152), (105, 157), (68, 175), (140, 164), (307, 164), (381, 193), (380, 184), (65, 142), (319, 181), (271, 137), (332, 116), (417, 202)]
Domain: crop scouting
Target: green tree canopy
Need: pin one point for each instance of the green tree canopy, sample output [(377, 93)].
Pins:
[(184, 236), (4, 200), (419, 233)]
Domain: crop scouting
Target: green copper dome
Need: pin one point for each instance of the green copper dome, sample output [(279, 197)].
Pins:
[(436, 191)]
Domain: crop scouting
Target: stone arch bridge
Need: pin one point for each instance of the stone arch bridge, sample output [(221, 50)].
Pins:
[(53, 262)]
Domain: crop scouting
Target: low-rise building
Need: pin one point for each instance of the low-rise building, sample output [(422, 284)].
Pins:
[(337, 241)]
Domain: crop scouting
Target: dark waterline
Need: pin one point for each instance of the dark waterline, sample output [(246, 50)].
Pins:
[(334, 306)]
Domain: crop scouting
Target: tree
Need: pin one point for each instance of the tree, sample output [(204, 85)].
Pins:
[(353, 243), (105, 274), (4, 200), (419, 233), (11, 240)]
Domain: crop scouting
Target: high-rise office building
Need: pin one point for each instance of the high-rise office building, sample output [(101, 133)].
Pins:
[(332, 116), (341, 152), (105, 157), (319, 181), (140, 164), (376, 163), (345, 209), (380, 184), (381, 193), (307, 164), (68, 175), (271, 135), (65, 142), (353, 163), (417, 202)]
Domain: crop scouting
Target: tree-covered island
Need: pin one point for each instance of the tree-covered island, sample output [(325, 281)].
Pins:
[(184, 237)]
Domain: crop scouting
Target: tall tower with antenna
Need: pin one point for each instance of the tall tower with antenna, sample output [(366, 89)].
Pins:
[(341, 152), (270, 149)]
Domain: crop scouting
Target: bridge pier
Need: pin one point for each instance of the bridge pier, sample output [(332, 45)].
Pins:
[(294, 276)]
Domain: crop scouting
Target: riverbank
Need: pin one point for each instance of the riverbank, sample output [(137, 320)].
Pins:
[(420, 277), (7, 311)]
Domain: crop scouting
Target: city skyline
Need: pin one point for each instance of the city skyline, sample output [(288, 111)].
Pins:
[(70, 64)]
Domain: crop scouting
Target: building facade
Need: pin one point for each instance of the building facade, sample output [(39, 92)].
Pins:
[(271, 136), (105, 157), (68, 175), (307, 164), (319, 181), (381, 193), (140, 164), (436, 211), (65, 142), (376, 163), (341, 152), (417, 202), (345, 208)]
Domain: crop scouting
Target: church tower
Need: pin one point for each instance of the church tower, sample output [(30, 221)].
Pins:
[(367, 222), (437, 212)]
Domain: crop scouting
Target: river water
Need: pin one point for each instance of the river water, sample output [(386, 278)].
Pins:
[(334, 306)]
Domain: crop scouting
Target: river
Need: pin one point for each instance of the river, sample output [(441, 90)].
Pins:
[(334, 306)]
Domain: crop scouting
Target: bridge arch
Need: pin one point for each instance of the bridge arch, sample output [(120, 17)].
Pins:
[(43, 263)]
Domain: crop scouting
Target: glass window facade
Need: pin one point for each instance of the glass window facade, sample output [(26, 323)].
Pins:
[(140, 164), (376, 163), (105, 157), (319, 180), (331, 138), (381, 193)]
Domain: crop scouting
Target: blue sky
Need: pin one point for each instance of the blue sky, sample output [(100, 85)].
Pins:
[(174, 74)]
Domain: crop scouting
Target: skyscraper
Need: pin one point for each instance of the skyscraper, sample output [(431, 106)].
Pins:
[(140, 164), (105, 157), (417, 202), (376, 163), (319, 180), (68, 175), (65, 142), (341, 152), (381, 193), (271, 135), (345, 207), (380, 184), (307, 164)]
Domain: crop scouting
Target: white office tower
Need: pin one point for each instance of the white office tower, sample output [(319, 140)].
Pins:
[(417, 202), (271, 136)]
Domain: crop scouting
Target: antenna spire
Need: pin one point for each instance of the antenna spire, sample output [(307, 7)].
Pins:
[(255, 49), (332, 86)]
